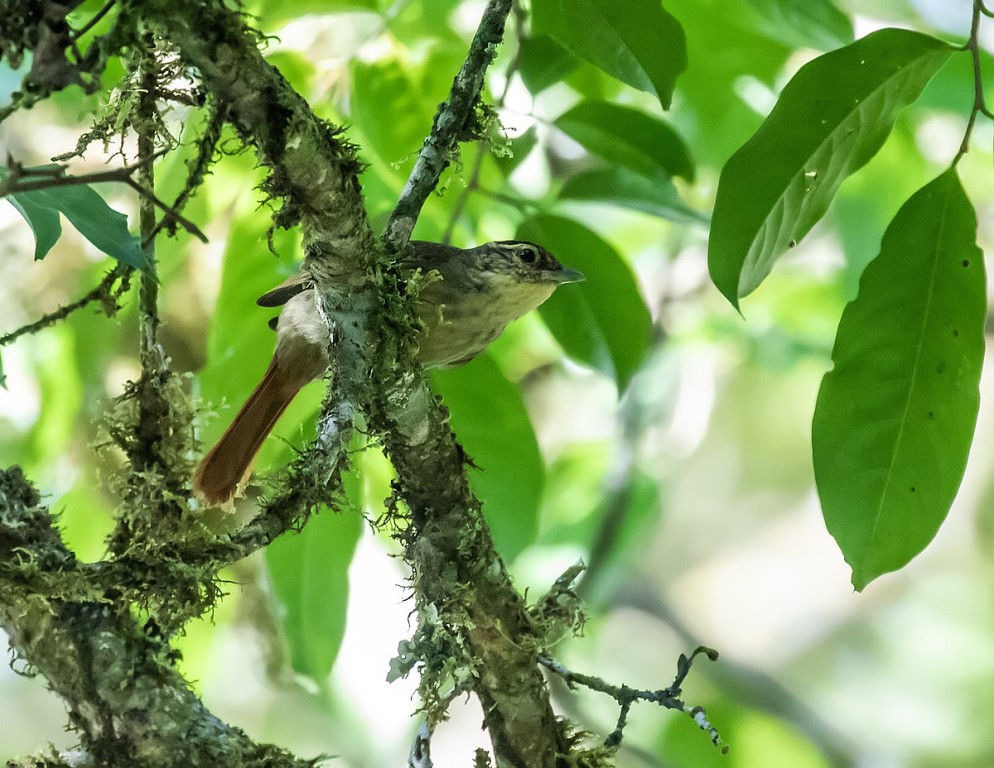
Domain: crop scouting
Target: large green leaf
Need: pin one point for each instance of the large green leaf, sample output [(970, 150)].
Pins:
[(310, 575), (603, 321), (814, 23), (82, 205), (619, 186), (628, 137), (635, 41), (542, 62), (490, 420), (830, 120), (45, 222), (895, 416)]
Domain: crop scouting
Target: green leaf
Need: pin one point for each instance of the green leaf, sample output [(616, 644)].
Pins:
[(44, 222), (543, 62), (657, 197), (831, 118), (895, 416), (390, 108), (489, 418), (800, 23), (635, 41), (602, 322), (629, 137), (278, 12), (86, 210), (310, 575)]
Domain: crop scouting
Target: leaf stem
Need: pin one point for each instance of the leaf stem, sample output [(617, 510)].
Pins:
[(979, 104)]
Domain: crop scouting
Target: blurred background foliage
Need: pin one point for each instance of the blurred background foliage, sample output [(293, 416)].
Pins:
[(636, 422)]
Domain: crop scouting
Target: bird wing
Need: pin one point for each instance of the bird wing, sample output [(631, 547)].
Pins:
[(286, 290)]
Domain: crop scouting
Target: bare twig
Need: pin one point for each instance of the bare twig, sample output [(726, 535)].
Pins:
[(625, 696)]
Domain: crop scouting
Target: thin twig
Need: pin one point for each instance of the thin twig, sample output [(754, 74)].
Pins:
[(979, 104), (105, 293), (197, 169), (474, 178), (94, 21), (57, 177), (625, 696), (452, 124)]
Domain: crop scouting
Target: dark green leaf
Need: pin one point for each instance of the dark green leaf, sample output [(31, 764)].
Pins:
[(628, 136), (603, 321), (623, 187), (543, 62), (635, 41), (811, 23), (490, 420), (86, 210), (830, 120), (895, 416), (44, 222), (390, 108), (310, 575)]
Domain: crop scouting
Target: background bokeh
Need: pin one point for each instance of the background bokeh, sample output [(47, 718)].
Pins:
[(684, 483)]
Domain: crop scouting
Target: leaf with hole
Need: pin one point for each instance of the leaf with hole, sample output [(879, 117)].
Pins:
[(895, 416), (831, 118)]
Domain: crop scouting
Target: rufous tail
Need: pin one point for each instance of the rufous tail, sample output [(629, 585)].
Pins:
[(229, 462)]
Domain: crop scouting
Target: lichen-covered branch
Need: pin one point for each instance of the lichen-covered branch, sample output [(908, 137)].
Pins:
[(454, 122), (488, 636), (124, 695)]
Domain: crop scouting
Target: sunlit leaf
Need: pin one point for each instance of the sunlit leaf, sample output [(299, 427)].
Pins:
[(657, 197), (629, 137), (490, 420), (603, 321), (635, 41), (895, 416), (830, 120), (390, 88), (813, 23)]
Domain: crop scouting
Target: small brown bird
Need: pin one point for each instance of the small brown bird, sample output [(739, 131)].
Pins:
[(481, 290)]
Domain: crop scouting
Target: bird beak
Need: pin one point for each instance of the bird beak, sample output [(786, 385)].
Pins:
[(569, 276)]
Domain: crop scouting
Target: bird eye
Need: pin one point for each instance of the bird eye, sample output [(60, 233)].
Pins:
[(527, 255)]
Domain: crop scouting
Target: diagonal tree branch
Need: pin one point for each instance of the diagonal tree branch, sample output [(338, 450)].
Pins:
[(118, 678), (458, 575)]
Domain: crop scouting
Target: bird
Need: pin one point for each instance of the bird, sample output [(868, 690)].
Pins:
[(470, 297)]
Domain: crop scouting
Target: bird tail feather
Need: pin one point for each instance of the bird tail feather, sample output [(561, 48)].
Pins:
[(219, 474)]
